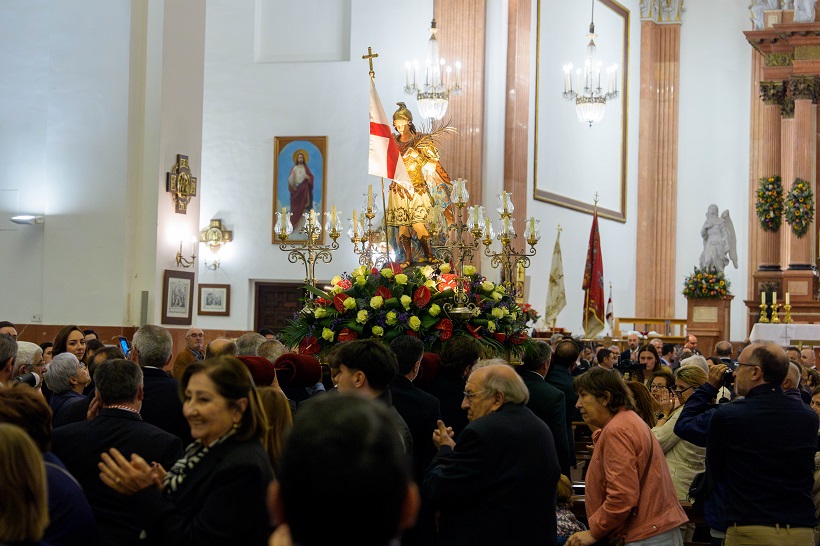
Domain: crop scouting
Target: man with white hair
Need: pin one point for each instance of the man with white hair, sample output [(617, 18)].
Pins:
[(808, 358), (791, 385), (195, 343), (515, 502), (29, 360)]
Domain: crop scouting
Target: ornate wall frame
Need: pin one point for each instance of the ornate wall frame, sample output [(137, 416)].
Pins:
[(552, 187)]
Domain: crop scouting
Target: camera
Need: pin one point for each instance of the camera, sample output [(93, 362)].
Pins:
[(728, 378), (628, 366), (31, 379)]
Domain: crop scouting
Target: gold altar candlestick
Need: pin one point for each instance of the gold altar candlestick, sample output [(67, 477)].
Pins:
[(788, 318), (775, 317)]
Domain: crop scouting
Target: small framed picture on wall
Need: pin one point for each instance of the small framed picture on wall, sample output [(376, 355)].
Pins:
[(177, 297), (214, 300)]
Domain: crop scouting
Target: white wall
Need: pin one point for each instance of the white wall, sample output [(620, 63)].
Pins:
[(63, 145), (713, 145)]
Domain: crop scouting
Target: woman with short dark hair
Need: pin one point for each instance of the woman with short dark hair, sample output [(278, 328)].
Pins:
[(629, 491)]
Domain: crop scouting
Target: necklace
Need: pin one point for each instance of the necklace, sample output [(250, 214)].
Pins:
[(117, 406)]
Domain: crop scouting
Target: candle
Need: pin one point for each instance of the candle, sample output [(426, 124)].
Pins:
[(763, 298), (787, 298), (774, 299), (180, 248), (407, 74), (355, 221), (504, 202), (333, 216), (506, 223), (312, 220), (370, 198), (194, 241), (532, 226)]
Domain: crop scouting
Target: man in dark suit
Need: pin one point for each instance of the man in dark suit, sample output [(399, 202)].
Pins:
[(498, 484), (546, 401), (566, 353), (153, 350), (79, 445), (421, 411), (78, 411)]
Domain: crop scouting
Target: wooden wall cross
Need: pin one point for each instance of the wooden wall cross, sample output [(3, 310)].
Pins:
[(181, 184)]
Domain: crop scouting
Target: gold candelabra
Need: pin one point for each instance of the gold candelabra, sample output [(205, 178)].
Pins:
[(788, 318), (309, 251), (508, 259), (365, 239), (775, 318), (459, 251), (763, 318), (182, 261)]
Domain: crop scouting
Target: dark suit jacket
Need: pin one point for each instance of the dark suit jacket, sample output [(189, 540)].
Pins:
[(548, 403), (71, 521), (420, 411), (450, 393), (499, 484), (79, 446), (221, 501), (560, 378), (162, 406)]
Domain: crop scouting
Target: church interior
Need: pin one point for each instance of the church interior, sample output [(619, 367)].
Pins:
[(101, 99)]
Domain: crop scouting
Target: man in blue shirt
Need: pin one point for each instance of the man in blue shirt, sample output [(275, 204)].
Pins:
[(760, 450)]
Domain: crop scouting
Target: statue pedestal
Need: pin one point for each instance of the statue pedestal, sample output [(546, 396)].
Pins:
[(709, 319)]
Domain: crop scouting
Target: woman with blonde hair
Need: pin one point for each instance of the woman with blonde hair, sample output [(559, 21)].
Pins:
[(280, 419), (685, 460), (23, 496)]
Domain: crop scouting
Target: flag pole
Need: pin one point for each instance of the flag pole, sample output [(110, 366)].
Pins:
[(586, 292), (384, 219)]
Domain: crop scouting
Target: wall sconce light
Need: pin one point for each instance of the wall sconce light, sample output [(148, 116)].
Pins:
[(181, 260), (215, 236), (28, 219)]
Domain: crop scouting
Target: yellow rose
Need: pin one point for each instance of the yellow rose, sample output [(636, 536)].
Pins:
[(469, 270), (496, 296), (414, 323), (362, 316), (361, 280), (434, 310), (427, 271), (490, 326), (406, 301), (360, 271), (328, 334), (336, 289), (335, 280), (376, 302), (387, 273), (444, 268), (377, 331), (350, 303), (487, 286), (500, 288), (320, 312), (401, 278), (391, 318), (430, 283), (497, 312)]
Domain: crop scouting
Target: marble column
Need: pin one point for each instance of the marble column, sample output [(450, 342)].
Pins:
[(657, 167), (766, 148), (516, 138), (461, 26), (804, 90)]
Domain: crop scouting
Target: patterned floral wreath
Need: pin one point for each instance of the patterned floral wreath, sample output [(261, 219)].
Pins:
[(769, 203), (706, 283), (800, 207)]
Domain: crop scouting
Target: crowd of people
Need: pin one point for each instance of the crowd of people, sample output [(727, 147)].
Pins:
[(242, 441)]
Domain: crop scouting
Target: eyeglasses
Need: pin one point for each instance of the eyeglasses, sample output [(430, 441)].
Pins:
[(658, 387), (744, 364), (681, 391), (470, 395), (83, 365)]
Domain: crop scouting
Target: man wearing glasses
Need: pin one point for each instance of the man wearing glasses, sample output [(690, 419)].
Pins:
[(760, 451), (195, 343), (498, 484)]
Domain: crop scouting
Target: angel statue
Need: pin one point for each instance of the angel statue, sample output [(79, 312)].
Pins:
[(409, 205), (718, 234)]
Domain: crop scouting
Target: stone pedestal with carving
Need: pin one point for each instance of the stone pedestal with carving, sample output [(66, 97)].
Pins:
[(710, 320)]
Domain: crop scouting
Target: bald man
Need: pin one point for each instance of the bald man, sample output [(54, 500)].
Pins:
[(195, 342)]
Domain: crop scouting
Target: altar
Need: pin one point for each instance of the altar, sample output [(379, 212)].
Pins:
[(784, 334)]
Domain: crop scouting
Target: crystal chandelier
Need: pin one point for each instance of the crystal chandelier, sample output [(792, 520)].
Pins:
[(439, 80), (590, 100)]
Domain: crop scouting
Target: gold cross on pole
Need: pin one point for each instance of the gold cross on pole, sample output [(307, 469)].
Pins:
[(370, 56)]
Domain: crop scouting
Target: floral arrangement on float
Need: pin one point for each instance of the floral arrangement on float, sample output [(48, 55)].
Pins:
[(769, 203), (706, 283), (800, 207), (386, 303)]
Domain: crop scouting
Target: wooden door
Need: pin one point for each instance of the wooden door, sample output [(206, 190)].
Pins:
[(276, 303)]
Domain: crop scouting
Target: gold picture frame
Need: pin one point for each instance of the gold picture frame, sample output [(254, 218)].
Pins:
[(290, 182)]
